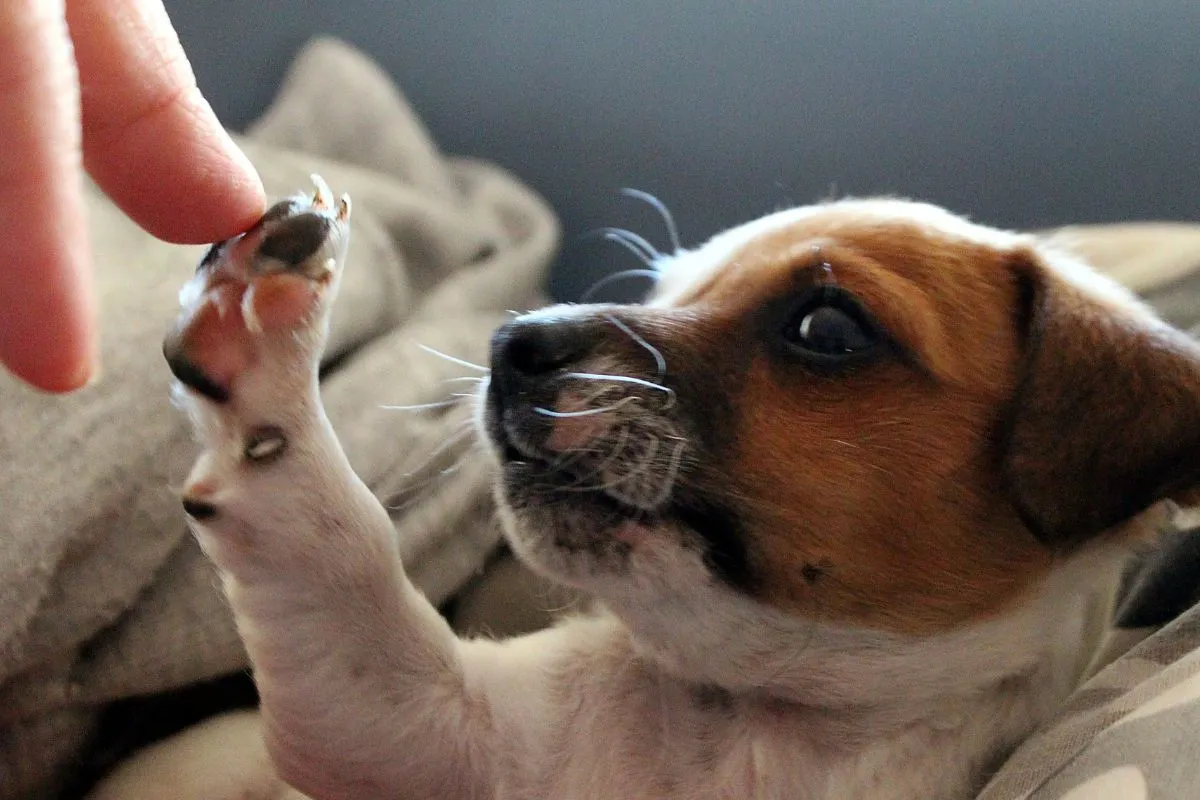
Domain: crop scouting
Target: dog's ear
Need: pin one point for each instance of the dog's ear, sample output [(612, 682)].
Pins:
[(1106, 417)]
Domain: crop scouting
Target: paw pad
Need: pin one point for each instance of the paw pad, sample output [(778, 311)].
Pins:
[(265, 444), (252, 292)]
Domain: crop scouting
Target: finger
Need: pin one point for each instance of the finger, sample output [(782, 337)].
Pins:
[(47, 317), (149, 138)]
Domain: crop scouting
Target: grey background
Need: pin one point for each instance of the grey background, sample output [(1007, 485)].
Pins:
[(1018, 113)]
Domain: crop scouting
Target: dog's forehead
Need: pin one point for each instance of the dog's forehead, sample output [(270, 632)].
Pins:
[(897, 235), (760, 255)]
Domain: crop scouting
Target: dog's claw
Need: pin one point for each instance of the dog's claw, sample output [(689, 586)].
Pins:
[(273, 278), (323, 196)]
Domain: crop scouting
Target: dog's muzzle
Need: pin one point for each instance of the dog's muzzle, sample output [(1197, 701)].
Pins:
[(529, 357), (526, 350)]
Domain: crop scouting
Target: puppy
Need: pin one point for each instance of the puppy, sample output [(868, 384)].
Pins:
[(851, 487)]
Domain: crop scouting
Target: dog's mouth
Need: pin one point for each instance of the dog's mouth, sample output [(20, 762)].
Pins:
[(557, 443), (580, 517), (612, 492), (596, 460), (534, 477)]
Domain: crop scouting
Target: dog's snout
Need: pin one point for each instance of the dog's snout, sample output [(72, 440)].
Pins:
[(533, 358), (534, 347)]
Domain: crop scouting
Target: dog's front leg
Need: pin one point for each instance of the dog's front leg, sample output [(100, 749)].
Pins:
[(362, 688)]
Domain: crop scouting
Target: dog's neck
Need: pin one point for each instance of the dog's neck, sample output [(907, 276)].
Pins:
[(1032, 656)]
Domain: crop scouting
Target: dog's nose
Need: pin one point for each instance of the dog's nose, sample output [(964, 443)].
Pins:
[(533, 347)]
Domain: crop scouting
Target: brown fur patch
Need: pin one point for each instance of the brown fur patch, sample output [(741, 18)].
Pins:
[(892, 476), (1110, 402)]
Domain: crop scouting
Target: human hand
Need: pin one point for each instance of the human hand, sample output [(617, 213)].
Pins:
[(102, 85)]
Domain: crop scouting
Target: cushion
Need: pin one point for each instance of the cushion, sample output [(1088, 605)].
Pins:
[(1132, 731)]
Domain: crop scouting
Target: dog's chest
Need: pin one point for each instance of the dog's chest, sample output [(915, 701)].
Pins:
[(664, 750), (679, 743), (768, 756)]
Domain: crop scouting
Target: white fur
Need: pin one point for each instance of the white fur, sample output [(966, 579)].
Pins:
[(682, 689), (680, 271)]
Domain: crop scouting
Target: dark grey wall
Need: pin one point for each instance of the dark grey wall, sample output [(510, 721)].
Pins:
[(1019, 113)]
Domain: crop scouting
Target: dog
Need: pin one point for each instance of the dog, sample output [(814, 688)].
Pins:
[(852, 488)]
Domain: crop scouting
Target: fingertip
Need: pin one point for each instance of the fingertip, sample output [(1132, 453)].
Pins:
[(49, 336), (203, 189), (47, 308), (224, 186), (71, 377), (150, 139), (246, 198), (55, 358)]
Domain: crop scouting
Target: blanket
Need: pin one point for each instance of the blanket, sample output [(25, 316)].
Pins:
[(103, 593)]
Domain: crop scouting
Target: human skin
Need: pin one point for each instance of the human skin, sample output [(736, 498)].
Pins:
[(102, 86)]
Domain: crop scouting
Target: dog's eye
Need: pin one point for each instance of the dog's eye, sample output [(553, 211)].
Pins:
[(828, 329)]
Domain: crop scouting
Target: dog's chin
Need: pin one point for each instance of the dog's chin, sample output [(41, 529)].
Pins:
[(574, 533), (564, 522)]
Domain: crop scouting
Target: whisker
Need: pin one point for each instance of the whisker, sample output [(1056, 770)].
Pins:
[(758, 504), (559, 608), (588, 412), (641, 249), (632, 246), (465, 379), (570, 458), (415, 489), (668, 482), (640, 242), (642, 468), (426, 406), (593, 376), (454, 439), (603, 465), (616, 276), (452, 359), (597, 395), (608, 460), (661, 208), (617, 480), (616, 452), (659, 361)]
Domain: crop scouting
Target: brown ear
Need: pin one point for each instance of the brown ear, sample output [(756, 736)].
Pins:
[(1106, 418)]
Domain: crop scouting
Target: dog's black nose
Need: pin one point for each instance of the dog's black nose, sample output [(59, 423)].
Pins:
[(535, 346)]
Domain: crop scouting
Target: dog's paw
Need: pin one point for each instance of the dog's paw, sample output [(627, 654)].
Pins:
[(259, 302)]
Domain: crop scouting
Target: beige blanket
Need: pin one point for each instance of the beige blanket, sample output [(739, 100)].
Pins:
[(103, 594)]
